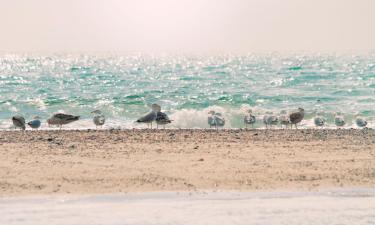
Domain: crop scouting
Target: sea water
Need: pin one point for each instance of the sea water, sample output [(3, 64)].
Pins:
[(123, 86)]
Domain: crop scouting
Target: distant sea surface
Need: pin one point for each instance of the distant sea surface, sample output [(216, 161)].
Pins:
[(186, 86)]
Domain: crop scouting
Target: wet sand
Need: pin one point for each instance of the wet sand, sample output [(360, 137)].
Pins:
[(342, 206), (114, 161)]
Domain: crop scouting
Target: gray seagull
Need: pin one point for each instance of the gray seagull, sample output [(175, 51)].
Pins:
[(151, 116), (61, 119), (297, 117), (19, 122)]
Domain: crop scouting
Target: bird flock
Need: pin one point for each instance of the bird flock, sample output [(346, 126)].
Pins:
[(285, 120), (214, 119)]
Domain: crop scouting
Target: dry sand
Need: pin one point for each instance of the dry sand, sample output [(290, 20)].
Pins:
[(113, 161)]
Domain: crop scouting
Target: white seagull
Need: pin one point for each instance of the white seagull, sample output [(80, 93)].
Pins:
[(284, 119), (98, 119), (249, 119), (269, 119)]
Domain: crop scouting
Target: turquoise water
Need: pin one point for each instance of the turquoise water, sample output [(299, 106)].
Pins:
[(186, 86)]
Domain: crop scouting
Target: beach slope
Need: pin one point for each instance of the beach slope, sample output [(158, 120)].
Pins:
[(118, 161)]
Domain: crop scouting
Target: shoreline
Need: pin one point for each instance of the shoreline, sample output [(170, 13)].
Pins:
[(141, 160), (267, 193)]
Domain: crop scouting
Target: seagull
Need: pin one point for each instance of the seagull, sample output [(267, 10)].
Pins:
[(339, 120), (215, 119), (249, 118), (319, 121), (284, 119), (19, 121), (61, 119), (270, 119), (297, 117), (211, 118), (35, 123), (162, 119), (99, 118), (360, 122), (220, 121), (151, 116)]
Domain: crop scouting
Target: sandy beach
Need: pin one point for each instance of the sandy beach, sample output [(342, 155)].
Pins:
[(123, 161)]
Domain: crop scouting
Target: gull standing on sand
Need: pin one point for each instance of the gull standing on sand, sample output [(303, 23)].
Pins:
[(19, 122), (151, 116), (339, 120), (297, 117), (215, 119), (161, 118), (269, 119), (284, 119), (249, 119), (211, 118), (35, 123), (61, 119), (319, 120), (99, 118), (361, 122)]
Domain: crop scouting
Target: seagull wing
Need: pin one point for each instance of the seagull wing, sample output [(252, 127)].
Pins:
[(149, 117)]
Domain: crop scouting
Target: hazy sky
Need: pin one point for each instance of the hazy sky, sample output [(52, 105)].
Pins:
[(187, 25)]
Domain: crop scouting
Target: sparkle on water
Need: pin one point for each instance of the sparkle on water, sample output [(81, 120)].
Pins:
[(187, 87)]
